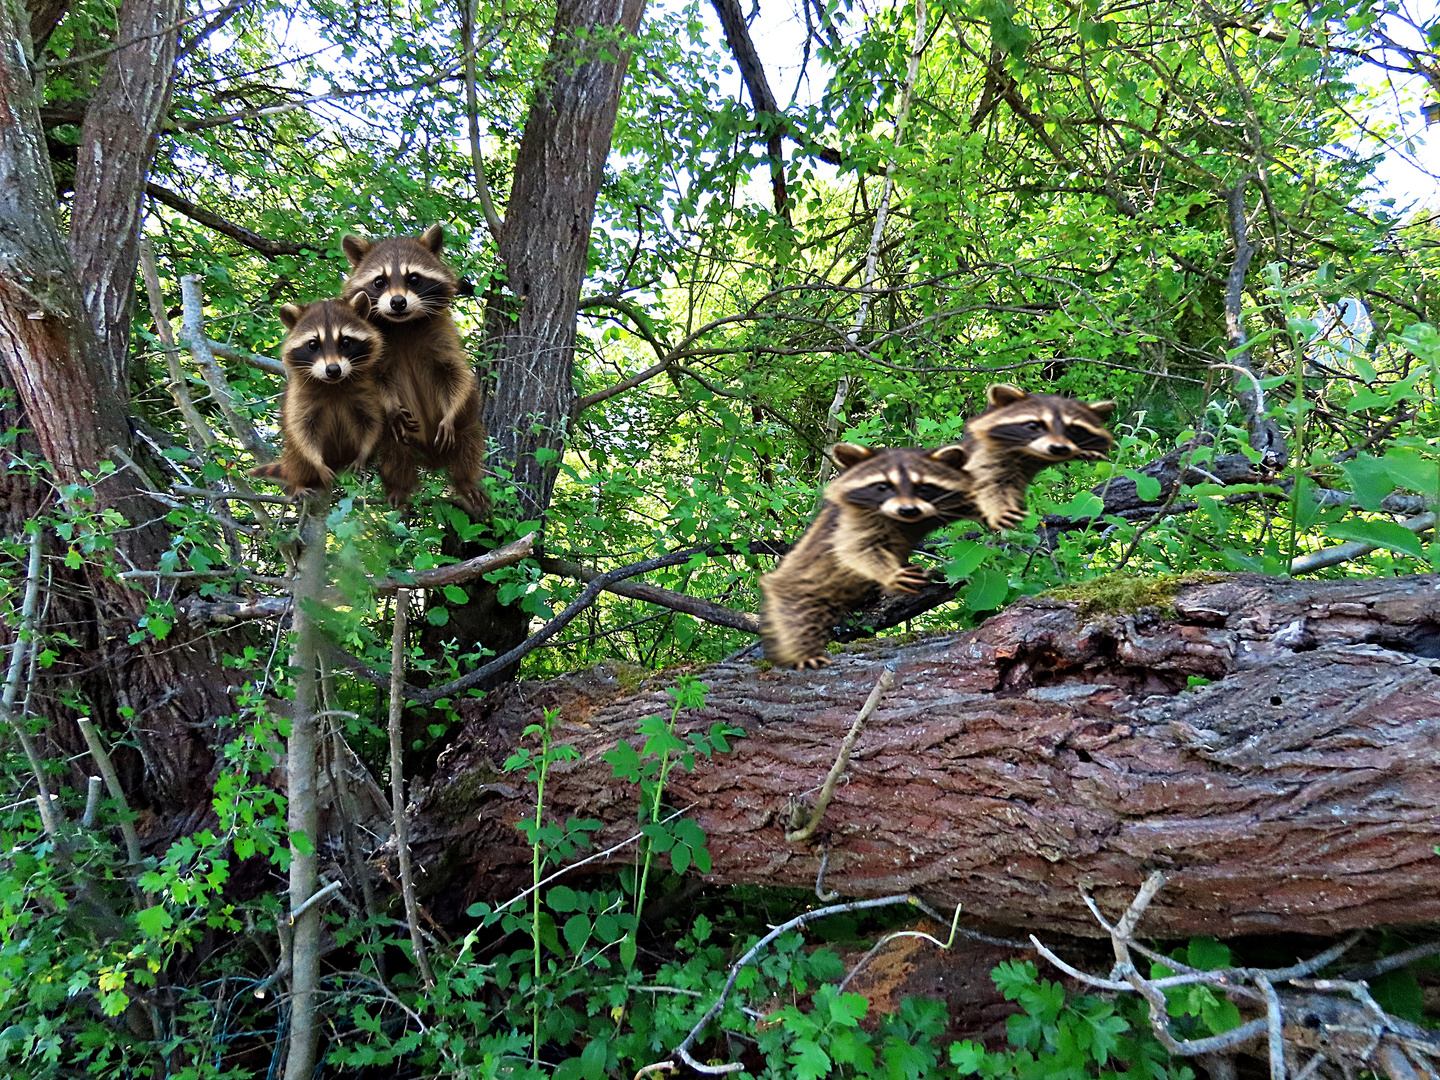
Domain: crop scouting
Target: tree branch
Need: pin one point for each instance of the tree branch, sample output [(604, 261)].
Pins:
[(654, 594), (472, 112), (211, 220)]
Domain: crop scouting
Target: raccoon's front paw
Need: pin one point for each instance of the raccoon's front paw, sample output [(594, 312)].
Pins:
[(814, 663), (1091, 455), (445, 434), (403, 425), (1008, 518), (911, 579)]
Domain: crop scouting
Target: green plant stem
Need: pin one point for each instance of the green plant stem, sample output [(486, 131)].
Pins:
[(1299, 458), (654, 817), (535, 864)]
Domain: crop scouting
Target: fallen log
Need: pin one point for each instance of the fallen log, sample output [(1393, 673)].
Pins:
[(1059, 747)]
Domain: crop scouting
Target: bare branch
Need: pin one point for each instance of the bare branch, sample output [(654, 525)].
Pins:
[(193, 333), (211, 220), (653, 594), (472, 112), (440, 576), (397, 786)]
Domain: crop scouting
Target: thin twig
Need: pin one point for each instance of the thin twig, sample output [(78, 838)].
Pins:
[(49, 817), (683, 1050), (315, 898), (397, 785), (192, 331), (112, 784), (199, 429), (874, 949), (827, 790)]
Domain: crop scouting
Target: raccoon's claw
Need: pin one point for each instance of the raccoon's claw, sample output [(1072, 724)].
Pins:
[(445, 434), (403, 425), (814, 663), (1007, 519), (911, 579)]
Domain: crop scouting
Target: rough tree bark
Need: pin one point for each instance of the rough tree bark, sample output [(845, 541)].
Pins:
[(1043, 753), (547, 235), (116, 144), (74, 412)]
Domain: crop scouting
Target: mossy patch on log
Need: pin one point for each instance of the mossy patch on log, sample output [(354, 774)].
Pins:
[(1120, 594)]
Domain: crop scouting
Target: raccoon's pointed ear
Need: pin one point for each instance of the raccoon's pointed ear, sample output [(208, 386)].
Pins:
[(355, 248), (847, 454), (953, 456), (433, 238), (360, 304), (290, 315), (1102, 409), (1001, 394)]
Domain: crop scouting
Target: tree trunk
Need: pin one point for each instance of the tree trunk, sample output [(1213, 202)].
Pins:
[(116, 145), (74, 412), (547, 236), (1045, 753)]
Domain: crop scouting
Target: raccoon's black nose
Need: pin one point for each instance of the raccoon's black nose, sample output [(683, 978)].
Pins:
[(1059, 449), (909, 511), (332, 371), (397, 303)]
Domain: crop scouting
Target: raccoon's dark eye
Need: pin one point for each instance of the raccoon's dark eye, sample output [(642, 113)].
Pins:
[(881, 485), (929, 491), (313, 344), (345, 341), (412, 279), (1035, 425), (380, 282)]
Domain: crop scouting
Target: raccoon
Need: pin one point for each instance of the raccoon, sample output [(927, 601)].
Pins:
[(437, 419), (335, 404), (881, 505), (1018, 435)]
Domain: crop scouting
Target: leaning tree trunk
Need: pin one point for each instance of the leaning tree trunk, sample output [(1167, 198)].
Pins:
[(1045, 753), (75, 414)]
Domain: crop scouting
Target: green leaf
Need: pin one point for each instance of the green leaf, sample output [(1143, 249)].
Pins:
[(561, 898), (1412, 471), (437, 616), (809, 1060), (154, 921), (1385, 534), (987, 590), (456, 595), (577, 932), (594, 1058), (627, 951), (1370, 480), (1207, 954)]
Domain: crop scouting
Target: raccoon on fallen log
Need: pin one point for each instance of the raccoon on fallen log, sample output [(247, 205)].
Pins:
[(882, 504), (1053, 749)]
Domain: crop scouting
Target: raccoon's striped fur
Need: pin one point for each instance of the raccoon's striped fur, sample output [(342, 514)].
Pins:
[(335, 400), (1018, 435), (881, 505), (437, 422)]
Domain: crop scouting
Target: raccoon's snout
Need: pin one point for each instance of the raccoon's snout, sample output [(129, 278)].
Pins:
[(397, 303), (910, 513), (1059, 450), (332, 371)]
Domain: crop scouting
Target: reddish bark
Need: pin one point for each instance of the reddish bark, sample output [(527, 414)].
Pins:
[(73, 411), (1041, 754)]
